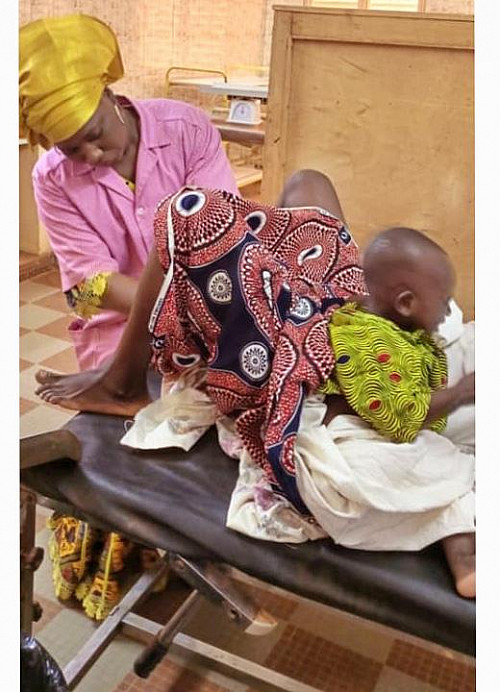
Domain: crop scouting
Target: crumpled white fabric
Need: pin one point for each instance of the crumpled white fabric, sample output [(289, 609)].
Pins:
[(367, 468), (362, 490), (257, 511), (452, 327), (373, 494), (460, 427), (179, 418)]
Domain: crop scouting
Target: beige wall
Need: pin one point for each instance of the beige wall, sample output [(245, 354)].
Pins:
[(155, 35), (453, 6)]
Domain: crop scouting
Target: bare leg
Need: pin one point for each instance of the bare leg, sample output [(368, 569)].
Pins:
[(120, 386), (309, 188), (460, 551)]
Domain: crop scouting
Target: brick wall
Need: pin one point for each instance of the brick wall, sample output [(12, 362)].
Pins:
[(453, 6), (155, 35)]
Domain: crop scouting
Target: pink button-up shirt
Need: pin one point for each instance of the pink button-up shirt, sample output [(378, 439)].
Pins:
[(96, 223)]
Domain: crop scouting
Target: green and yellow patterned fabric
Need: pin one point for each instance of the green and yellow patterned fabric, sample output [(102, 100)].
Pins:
[(386, 374)]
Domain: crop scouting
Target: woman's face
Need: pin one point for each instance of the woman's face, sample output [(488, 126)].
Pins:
[(102, 141)]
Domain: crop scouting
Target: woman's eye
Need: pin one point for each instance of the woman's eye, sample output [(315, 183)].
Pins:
[(94, 135)]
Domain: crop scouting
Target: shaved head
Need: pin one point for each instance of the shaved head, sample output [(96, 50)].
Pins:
[(400, 263), (397, 251)]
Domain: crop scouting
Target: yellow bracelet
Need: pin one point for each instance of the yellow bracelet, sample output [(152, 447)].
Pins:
[(87, 296)]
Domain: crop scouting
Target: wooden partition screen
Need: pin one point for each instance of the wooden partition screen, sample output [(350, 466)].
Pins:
[(382, 103)]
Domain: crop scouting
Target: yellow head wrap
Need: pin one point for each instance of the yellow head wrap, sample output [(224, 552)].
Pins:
[(64, 65)]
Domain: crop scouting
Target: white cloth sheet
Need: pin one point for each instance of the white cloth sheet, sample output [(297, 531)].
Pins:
[(363, 491)]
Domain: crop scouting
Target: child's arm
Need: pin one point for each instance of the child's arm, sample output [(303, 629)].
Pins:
[(444, 401), (336, 405)]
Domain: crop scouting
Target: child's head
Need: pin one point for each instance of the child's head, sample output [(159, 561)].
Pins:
[(410, 279)]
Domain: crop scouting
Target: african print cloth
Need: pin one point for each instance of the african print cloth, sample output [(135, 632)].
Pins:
[(386, 374), (85, 298), (248, 292), (94, 566)]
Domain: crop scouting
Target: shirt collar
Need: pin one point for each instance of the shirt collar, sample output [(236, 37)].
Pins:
[(154, 132)]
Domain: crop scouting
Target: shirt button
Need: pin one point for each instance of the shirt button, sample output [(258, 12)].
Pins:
[(140, 211)]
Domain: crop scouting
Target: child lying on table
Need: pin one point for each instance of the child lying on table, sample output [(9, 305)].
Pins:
[(242, 297), (392, 469)]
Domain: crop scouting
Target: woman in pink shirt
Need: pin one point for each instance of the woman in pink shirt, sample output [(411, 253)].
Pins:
[(109, 162), (98, 186)]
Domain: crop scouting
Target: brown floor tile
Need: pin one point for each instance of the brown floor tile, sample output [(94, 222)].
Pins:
[(168, 676), (277, 605), (160, 607), (24, 364), (58, 328), (50, 610), (55, 301), (64, 362), (25, 405), (444, 673), (51, 278), (322, 664)]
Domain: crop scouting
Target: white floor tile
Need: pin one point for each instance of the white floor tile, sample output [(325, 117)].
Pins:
[(42, 419), (367, 640), (42, 584), (392, 680), (112, 667), (31, 290), (35, 316), (37, 348), (43, 511), (28, 384), (65, 634)]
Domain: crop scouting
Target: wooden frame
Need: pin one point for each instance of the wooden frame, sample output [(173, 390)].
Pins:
[(382, 102)]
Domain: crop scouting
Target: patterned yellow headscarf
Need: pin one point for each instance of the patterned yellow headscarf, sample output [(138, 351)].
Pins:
[(64, 65)]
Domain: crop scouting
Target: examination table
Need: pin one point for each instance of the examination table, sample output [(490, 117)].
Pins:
[(177, 501)]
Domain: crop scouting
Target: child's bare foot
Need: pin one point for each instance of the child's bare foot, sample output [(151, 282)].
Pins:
[(460, 551), (92, 390)]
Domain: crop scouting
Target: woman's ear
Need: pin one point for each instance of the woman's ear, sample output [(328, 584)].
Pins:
[(405, 303)]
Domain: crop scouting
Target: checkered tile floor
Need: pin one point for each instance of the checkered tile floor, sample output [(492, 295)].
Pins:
[(317, 646)]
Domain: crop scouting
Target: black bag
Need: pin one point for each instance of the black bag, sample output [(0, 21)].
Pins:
[(39, 671)]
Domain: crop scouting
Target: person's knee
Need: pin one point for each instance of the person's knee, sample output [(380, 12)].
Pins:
[(306, 179), (308, 174), (309, 187)]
